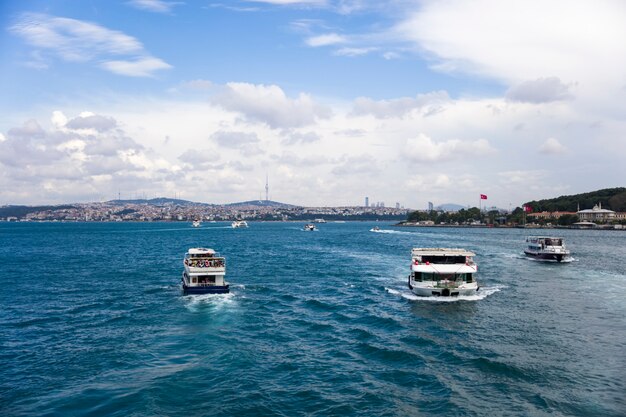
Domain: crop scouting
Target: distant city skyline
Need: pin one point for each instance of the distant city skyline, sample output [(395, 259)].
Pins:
[(331, 100)]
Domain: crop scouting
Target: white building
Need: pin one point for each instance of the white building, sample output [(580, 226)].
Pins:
[(596, 214)]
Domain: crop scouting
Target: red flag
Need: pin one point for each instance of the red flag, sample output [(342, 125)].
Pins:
[(483, 197), (528, 209)]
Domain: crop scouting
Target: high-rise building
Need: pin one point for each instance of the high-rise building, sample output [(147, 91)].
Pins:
[(367, 201), (430, 206), (397, 205)]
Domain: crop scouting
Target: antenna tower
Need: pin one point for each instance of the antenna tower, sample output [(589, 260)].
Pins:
[(267, 188)]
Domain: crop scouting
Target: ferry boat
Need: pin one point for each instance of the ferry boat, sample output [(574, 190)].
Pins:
[(310, 227), (442, 272), (204, 272), (237, 224), (546, 248), (319, 221)]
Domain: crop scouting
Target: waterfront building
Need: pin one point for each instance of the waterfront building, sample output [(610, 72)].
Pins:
[(596, 214)]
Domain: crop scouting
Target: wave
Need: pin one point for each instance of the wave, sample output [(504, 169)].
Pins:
[(194, 302), (481, 294)]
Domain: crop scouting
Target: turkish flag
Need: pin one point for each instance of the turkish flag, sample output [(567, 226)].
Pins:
[(528, 209), (483, 197)]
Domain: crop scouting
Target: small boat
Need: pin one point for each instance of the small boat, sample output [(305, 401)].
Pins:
[(442, 272), (319, 221), (204, 272), (546, 248), (375, 229), (237, 224), (310, 227), (196, 223)]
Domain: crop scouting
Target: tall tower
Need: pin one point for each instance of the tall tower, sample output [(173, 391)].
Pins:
[(367, 201), (267, 188)]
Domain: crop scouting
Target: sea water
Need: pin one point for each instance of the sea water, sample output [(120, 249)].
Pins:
[(93, 322)]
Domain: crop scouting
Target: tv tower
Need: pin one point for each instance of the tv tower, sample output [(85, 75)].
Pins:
[(267, 189)]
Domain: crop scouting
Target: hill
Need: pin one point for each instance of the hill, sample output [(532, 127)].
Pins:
[(610, 198), (21, 211), (260, 203), (160, 201), (450, 207)]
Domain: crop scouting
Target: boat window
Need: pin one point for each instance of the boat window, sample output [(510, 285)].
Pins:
[(468, 277), (451, 259), (417, 276)]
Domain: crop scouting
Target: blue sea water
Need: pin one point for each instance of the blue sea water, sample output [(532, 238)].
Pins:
[(93, 323)]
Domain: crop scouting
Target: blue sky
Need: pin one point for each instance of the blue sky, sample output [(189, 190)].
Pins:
[(406, 102)]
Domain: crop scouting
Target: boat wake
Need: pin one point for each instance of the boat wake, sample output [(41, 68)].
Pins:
[(196, 302), (551, 261), (391, 232), (481, 294)]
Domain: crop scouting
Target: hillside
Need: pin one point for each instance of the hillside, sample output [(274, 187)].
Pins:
[(21, 211), (610, 198), (259, 203)]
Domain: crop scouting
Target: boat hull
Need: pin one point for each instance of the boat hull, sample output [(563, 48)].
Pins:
[(210, 289), (558, 257), (443, 292), (422, 289)]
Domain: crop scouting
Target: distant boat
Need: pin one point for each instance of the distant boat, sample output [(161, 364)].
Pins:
[(442, 272), (196, 223), (238, 224), (375, 229), (319, 221), (309, 227), (204, 272), (546, 248)]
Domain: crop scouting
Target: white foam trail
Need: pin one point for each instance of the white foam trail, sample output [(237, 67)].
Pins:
[(392, 232), (193, 302), (481, 294)]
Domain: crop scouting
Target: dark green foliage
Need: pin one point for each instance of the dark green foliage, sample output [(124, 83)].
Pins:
[(460, 216), (21, 211), (610, 198)]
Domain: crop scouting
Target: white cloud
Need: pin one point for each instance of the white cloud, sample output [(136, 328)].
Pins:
[(423, 149), (428, 103), (542, 90), (294, 138), (270, 104), (235, 140), (140, 67), (355, 51), (78, 41), (90, 121), (552, 147), (325, 40), (157, 6), (516, 41)]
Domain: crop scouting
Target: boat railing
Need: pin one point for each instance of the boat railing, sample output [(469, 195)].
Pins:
[(205, 262)]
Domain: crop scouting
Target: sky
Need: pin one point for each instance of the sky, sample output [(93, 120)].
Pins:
[(401, 101)]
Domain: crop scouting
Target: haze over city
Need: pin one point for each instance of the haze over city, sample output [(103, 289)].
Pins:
[(402, 101)]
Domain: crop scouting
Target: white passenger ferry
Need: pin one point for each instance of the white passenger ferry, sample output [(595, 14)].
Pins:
[(204, 272), (547, 248), (237, 224), (442, 272)]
